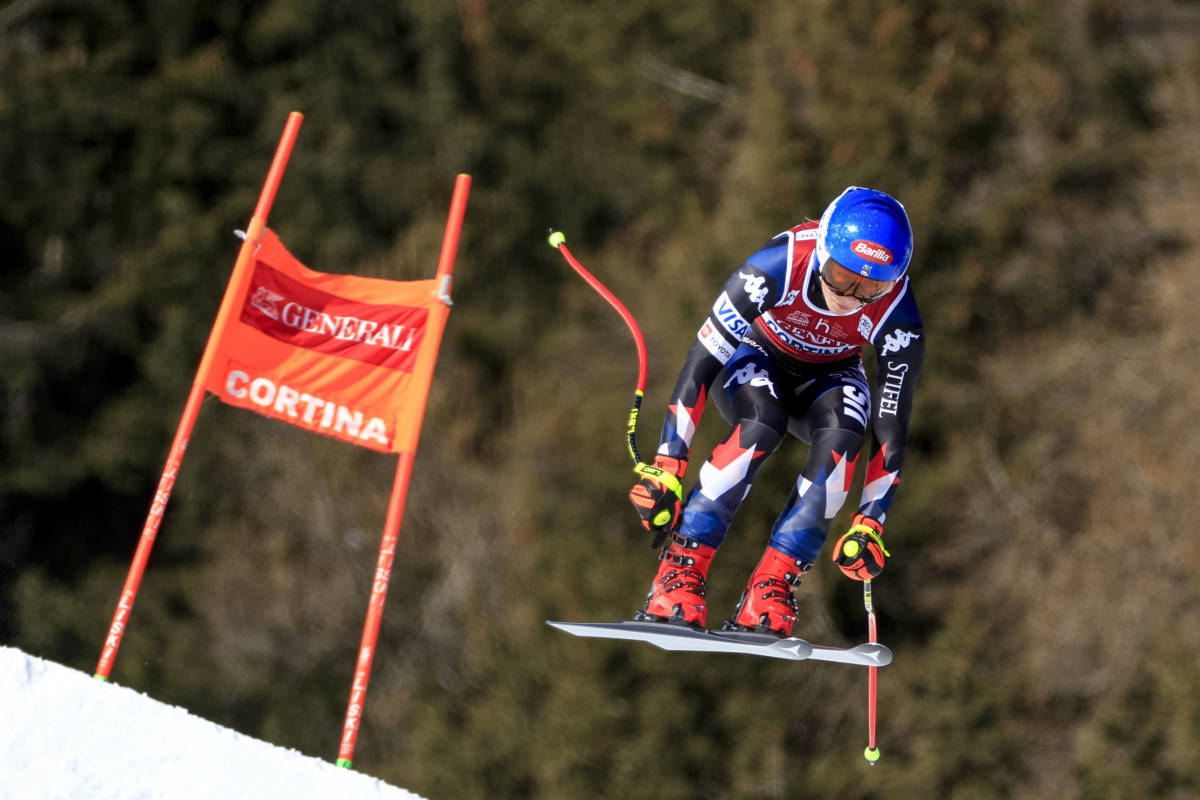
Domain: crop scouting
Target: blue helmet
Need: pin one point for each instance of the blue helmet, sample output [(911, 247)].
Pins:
[(867, 232)]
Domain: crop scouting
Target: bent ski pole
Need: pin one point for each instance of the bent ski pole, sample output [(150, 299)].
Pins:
[(559, 242), (871, 753)]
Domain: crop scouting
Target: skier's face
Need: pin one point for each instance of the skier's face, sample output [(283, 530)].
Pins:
[(846, 292)]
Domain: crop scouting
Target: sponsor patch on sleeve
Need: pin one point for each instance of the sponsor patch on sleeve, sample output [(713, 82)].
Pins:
[(729, 317), (714, 342)]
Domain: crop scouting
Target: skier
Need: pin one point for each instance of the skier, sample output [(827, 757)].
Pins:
[(780, 353)]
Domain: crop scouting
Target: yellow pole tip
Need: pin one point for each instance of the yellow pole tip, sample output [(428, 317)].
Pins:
[(557, 239), (871, 754)]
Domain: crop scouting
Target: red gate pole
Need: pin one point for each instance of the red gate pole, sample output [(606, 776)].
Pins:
[(408, 436), (233, 295), (370, 635)]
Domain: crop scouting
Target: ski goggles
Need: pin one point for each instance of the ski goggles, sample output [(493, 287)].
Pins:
[(845, 283)]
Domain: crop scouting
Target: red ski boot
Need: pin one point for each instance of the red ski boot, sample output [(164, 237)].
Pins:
[(767, 605), (678, 591)]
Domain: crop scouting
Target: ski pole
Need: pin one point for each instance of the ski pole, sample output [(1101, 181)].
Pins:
[(559, 242), (871, 753)]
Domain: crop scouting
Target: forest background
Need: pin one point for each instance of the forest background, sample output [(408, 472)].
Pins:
[(1043, 598)]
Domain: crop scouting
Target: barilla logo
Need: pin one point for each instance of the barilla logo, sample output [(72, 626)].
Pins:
[(871, 251)]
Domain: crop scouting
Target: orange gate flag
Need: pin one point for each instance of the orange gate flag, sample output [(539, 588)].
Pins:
[(334, 354)]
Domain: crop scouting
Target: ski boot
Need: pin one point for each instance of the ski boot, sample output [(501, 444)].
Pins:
[(767, 604), (677, 595)]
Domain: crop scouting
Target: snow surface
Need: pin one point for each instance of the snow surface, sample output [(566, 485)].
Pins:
[(67, 736)]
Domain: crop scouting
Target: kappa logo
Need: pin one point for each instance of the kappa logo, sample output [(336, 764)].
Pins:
[(266, 301), (895, 342), (754, 377), (755, 287), (872, 251)]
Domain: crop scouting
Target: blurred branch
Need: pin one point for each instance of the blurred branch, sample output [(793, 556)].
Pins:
[(21, 8), (685, 82)]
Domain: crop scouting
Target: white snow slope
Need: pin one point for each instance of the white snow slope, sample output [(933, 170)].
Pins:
[(67, 736)]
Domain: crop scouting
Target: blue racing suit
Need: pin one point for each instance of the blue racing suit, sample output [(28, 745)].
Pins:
[(776, 360)]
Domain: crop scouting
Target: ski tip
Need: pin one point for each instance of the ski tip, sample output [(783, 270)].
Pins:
[(874, 654), (871, 754)]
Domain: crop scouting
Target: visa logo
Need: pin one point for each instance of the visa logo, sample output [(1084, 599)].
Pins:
[(729, 317)]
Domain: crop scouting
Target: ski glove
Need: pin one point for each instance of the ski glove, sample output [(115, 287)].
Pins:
[(860, 552), (658, 494)]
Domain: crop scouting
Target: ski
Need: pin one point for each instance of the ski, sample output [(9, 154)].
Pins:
[(668, 636)]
